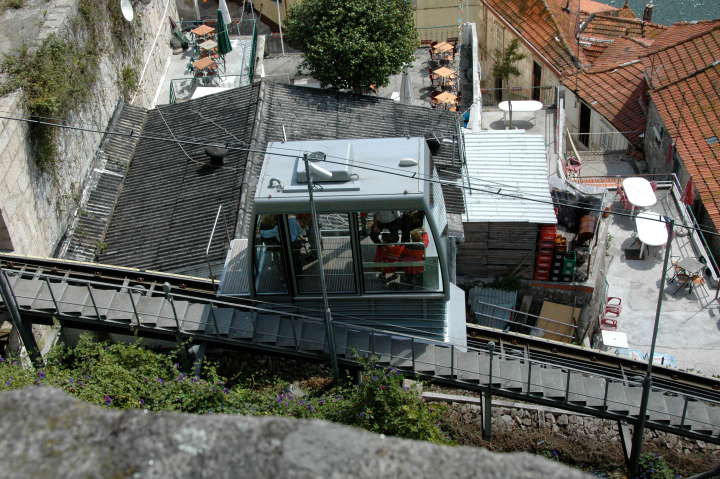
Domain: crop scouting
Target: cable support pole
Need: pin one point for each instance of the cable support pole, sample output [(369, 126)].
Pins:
[(327, 315), (639, 430)]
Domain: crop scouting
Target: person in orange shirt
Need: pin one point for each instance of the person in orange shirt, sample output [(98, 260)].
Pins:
[(415, 253), (386, 253)]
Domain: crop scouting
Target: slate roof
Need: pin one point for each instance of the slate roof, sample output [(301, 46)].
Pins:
[(685, 78), (88, 229), (162, 212), (170, 197)]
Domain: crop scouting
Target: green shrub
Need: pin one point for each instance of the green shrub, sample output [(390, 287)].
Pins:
[(130, 376), (653, 466), (128, 80), (15, 4), (54, 79), (381, 404)]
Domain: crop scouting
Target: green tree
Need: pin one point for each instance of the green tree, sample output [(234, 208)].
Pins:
[(353, 44), (505, 62)]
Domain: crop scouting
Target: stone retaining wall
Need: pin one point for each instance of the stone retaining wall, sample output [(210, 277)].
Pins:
[(516, 418), (36, 206)]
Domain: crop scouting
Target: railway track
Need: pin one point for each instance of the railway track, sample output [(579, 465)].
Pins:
[(134, 302)]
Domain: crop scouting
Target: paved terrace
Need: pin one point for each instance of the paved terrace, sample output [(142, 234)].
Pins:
[(237, 63), (690, 322)]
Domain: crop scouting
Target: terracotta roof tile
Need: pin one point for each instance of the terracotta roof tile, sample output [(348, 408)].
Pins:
[(690, 110), (615, 27), (617, 95), (692, 49), (535, 23)]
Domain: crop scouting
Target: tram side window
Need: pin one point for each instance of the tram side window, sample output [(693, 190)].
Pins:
[(397, 255), (269, 274)]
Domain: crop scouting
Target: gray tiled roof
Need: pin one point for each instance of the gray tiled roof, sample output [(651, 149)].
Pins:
[(168, 199), (88, 230)]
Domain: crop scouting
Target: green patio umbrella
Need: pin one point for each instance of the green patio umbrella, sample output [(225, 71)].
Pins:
[(223, 37)]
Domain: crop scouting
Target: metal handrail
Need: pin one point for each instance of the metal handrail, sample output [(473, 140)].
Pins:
[(181, 327)]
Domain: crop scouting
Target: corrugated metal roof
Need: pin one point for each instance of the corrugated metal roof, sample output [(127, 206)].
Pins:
[(483, 301), (509, 162)]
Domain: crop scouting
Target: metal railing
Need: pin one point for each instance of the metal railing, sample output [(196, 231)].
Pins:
[(447, 365), (664, 181), (439, 33), (182, 89), (491, 97)]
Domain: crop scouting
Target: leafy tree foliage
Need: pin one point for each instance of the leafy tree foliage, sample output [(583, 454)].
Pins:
[(506, 60), (353, 44)]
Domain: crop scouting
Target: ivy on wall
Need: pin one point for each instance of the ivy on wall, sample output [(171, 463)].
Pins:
[(58, 76)]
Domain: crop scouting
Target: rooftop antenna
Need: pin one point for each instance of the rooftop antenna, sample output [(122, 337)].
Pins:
[(127, 10)]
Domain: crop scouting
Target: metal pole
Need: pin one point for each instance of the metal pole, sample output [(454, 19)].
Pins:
[(647, 381), (329, 330), (197, 9), (487, 406), (24, 330), (282, 43)]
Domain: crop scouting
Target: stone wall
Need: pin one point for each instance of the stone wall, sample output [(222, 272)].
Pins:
[(560, 427), (75, 439), (36, 206)]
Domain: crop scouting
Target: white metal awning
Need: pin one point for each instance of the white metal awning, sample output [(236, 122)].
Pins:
[(508, 173)]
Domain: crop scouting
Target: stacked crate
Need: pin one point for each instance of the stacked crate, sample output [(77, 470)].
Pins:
[(546, 249)]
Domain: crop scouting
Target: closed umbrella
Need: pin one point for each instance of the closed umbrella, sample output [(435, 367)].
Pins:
[(405, 88), (223, 38)]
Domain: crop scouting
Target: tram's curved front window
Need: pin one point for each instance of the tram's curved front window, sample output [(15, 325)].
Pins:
[(398, 252)]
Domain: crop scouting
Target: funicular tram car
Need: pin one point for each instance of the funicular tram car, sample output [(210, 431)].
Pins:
[(383, 234)]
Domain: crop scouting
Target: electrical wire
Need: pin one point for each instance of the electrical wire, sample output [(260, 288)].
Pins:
[(376, 168)]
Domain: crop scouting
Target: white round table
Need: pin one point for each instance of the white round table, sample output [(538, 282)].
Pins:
[(651, 229), (520, 106), (639, 192)]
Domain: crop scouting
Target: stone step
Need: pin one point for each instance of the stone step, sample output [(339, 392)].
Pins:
[(401, 351), (617, 400), (514, 374), (102, 299), (289, 332), (243, 324), (198, 318), (312, 336), (358, 343), (121, 307), (26, 290), (48, 295), (267, 327), (380, 345), (443, 361), (467, 366)]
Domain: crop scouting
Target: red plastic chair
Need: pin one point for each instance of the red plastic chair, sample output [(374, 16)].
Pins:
[(607, 323), (613, 305)]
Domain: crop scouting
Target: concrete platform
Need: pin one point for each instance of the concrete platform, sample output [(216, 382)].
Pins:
[(689, 322), (237, 63)]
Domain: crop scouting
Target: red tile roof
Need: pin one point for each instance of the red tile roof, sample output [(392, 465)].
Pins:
[(617, 95), (615, 27), (686, 91), (692, 49), (535, 24)]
